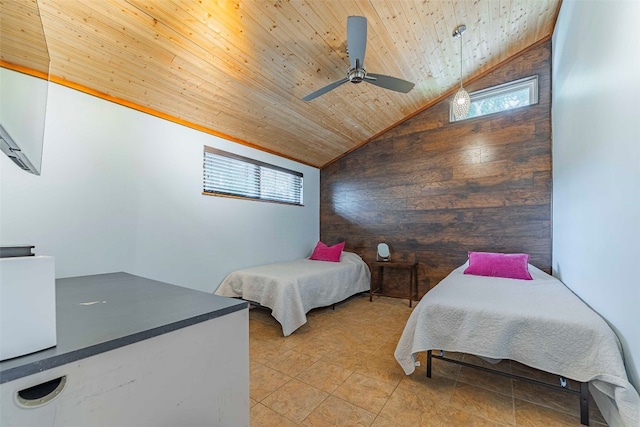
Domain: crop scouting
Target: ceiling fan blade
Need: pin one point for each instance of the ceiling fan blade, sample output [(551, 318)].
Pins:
[(356, 39), (388, 82), (324, 90)]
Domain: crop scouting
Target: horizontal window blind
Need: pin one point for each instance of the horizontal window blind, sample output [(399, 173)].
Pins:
[(228, 174)]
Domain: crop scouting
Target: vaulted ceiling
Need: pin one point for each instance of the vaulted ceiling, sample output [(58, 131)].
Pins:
[(239, 68)]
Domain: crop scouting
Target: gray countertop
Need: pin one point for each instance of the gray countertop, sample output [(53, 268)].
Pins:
[(106, 311)]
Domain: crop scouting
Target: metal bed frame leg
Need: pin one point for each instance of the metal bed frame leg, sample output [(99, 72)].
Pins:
[(584, 404), (584, 386)]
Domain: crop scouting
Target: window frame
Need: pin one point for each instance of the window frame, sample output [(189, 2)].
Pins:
[(253, 162), (530, 82)]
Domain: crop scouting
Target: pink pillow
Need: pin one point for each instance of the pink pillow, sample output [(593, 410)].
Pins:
[(510, 266), (323, 252)]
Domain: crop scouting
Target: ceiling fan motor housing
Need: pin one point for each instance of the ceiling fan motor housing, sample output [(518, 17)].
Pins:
[(356, 75)]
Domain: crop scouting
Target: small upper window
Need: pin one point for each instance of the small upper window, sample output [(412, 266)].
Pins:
[(227, 174), (508, 96)]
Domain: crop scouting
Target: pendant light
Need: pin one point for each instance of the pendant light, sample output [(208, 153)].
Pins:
[(461, 102)]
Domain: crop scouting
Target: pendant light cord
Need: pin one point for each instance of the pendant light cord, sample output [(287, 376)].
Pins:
[(461, 60)]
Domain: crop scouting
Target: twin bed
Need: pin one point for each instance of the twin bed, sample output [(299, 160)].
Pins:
[(538, 322), (291, 289)]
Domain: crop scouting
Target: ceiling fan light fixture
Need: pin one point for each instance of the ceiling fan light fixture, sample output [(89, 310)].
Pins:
[(461, 101)]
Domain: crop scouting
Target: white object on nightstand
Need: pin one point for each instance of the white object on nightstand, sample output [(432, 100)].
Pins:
[(383, 253)]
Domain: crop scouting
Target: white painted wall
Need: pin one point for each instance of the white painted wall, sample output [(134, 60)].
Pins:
[(182, 234), (81, 209), (596, 162), (121, 191)]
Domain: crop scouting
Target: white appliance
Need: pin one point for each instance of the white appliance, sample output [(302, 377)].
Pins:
[(27, 305)]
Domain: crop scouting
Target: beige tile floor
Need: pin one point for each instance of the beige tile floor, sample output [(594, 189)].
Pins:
[(339, 370)]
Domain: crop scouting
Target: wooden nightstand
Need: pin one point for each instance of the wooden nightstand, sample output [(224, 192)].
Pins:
[(413, 277)]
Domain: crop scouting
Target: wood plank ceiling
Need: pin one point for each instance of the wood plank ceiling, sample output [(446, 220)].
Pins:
[(240, 68)]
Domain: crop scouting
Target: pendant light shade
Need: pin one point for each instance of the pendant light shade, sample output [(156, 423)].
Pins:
[(461, 102)]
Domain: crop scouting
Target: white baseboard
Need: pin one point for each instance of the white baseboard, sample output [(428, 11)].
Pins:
[(607, 407)]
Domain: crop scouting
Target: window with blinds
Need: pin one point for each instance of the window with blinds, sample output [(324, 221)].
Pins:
[(227, 174)]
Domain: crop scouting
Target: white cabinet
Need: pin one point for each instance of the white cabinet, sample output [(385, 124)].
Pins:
[(194, 376), (134, 352)]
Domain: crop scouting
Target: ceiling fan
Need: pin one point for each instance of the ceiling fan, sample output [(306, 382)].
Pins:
[(356, 45)]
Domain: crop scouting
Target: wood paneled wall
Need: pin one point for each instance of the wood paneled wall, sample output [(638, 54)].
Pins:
[(434, 190)]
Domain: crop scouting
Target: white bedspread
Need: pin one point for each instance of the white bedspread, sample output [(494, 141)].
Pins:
[(539, 323), (291, 289)]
